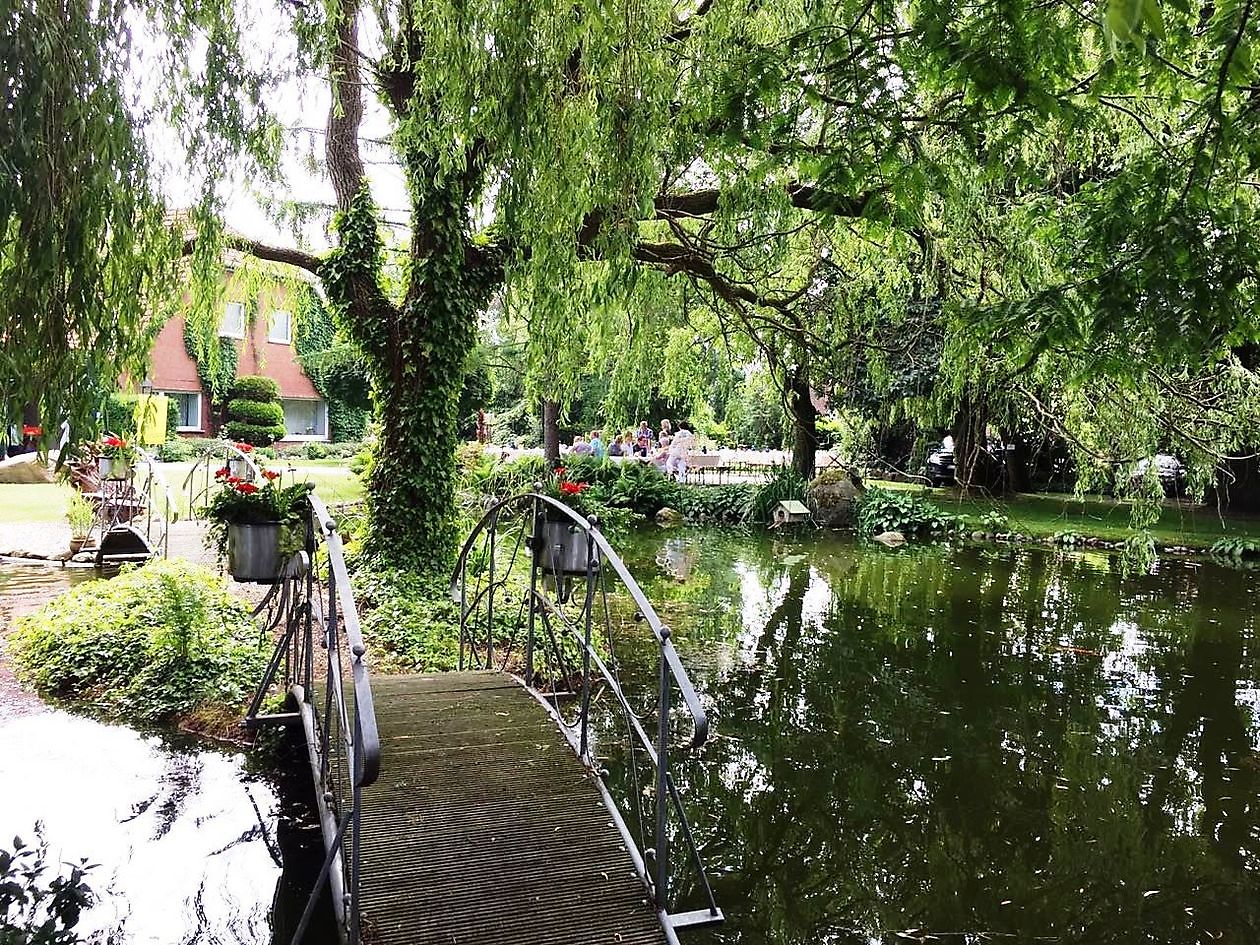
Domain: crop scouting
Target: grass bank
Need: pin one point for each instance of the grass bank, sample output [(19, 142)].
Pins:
[(1180, 523)]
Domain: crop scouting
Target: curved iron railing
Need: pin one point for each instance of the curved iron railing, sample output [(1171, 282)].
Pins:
[(142, 503), (311, 608), (547, 637), (200, 483)]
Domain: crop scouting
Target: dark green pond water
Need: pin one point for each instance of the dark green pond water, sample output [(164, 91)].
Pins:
[(966, 745)]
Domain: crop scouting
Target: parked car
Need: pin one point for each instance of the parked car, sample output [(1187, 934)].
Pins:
[(939, 469), (1171, 472)]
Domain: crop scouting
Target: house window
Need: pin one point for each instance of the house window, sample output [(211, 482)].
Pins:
[(233, 323), (189, 406), (305, 418), (280, 327)]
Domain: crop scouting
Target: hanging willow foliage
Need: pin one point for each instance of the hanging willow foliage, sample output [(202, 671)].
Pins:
[(84, 252)]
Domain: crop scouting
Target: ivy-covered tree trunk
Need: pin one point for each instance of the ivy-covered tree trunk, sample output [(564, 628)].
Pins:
[(804, 422), (417, 347)]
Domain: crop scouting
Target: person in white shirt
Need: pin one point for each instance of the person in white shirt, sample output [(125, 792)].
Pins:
[(679, 447)]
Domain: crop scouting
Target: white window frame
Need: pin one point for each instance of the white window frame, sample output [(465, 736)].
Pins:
[(188, 393), (224, 332), (305, 437), (288, 327)]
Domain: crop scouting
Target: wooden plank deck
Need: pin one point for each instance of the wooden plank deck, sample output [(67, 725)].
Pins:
[(485, 829)]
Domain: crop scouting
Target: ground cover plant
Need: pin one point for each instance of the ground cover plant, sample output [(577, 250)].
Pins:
[(151, 645)]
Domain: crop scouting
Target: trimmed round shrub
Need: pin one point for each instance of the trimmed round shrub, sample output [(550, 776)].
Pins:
[(255, 387), (255, 414), (253, 433), (258, 412), (155, 642)]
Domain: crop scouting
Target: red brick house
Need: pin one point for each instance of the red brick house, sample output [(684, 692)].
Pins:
[(261, 328)]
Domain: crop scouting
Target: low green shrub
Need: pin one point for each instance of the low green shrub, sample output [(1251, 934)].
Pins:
[(174, 451), (155, 642), (254, 434), (723, 505), (1236, 548), (894, 510), (409, 622)]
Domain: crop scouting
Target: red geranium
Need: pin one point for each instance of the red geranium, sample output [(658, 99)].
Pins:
[(222, 473), (244, 447), (246, 488)]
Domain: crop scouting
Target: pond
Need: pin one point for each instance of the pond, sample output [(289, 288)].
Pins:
[(190, 843), (965, 745)]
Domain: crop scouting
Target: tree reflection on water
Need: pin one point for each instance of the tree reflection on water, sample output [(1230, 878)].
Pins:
[(965, 745)]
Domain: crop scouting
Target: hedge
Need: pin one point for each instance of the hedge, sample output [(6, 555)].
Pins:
[(118, 415)]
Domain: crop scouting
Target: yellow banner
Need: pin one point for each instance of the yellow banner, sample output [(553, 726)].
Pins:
[(151, 419)]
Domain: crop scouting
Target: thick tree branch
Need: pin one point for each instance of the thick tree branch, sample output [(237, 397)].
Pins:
[(281, 254)]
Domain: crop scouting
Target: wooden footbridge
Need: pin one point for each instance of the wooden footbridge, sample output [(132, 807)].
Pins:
[(481, 806)]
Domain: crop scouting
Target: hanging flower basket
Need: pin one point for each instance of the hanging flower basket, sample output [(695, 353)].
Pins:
[(562, 546), (117, 458), (111, 468), (257, 527), (253, 552)]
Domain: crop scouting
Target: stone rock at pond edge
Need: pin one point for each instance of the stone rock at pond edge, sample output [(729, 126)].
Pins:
[(890, 539), (668, 516), (831, 497)]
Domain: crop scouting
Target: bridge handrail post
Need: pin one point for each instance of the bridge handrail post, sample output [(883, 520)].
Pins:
[(662, 777)]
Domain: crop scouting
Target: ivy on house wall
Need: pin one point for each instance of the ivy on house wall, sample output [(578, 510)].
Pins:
[(334, 366), (217, 374)]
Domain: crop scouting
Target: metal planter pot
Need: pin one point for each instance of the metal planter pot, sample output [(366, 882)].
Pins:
[(254, 552), (241, 469), (562, 549), (113, 468)]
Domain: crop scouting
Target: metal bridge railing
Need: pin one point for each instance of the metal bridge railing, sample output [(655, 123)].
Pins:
[(319, 662), (200, 484), (539, 589)]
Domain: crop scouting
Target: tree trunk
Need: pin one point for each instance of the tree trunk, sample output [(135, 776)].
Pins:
[(551, 431), (970, 424), (804, 422), (1016, 477)]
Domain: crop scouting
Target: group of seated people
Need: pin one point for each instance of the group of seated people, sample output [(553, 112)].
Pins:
[(668, 451)]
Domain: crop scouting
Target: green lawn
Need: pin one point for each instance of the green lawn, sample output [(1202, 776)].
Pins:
[(334, 482), (33, 502), (41, 502), (1181, 523)]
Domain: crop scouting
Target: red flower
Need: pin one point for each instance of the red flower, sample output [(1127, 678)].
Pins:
[(246, 488), (233, 480), (116, 442), (222, 473), (244, 447), (271, 475), (560, 471), (574, 488)]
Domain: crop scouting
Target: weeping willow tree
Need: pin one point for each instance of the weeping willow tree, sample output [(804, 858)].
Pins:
[(89, 254)]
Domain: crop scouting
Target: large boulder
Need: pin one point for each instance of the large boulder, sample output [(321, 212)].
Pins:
[(25, 468), (832, 496)]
